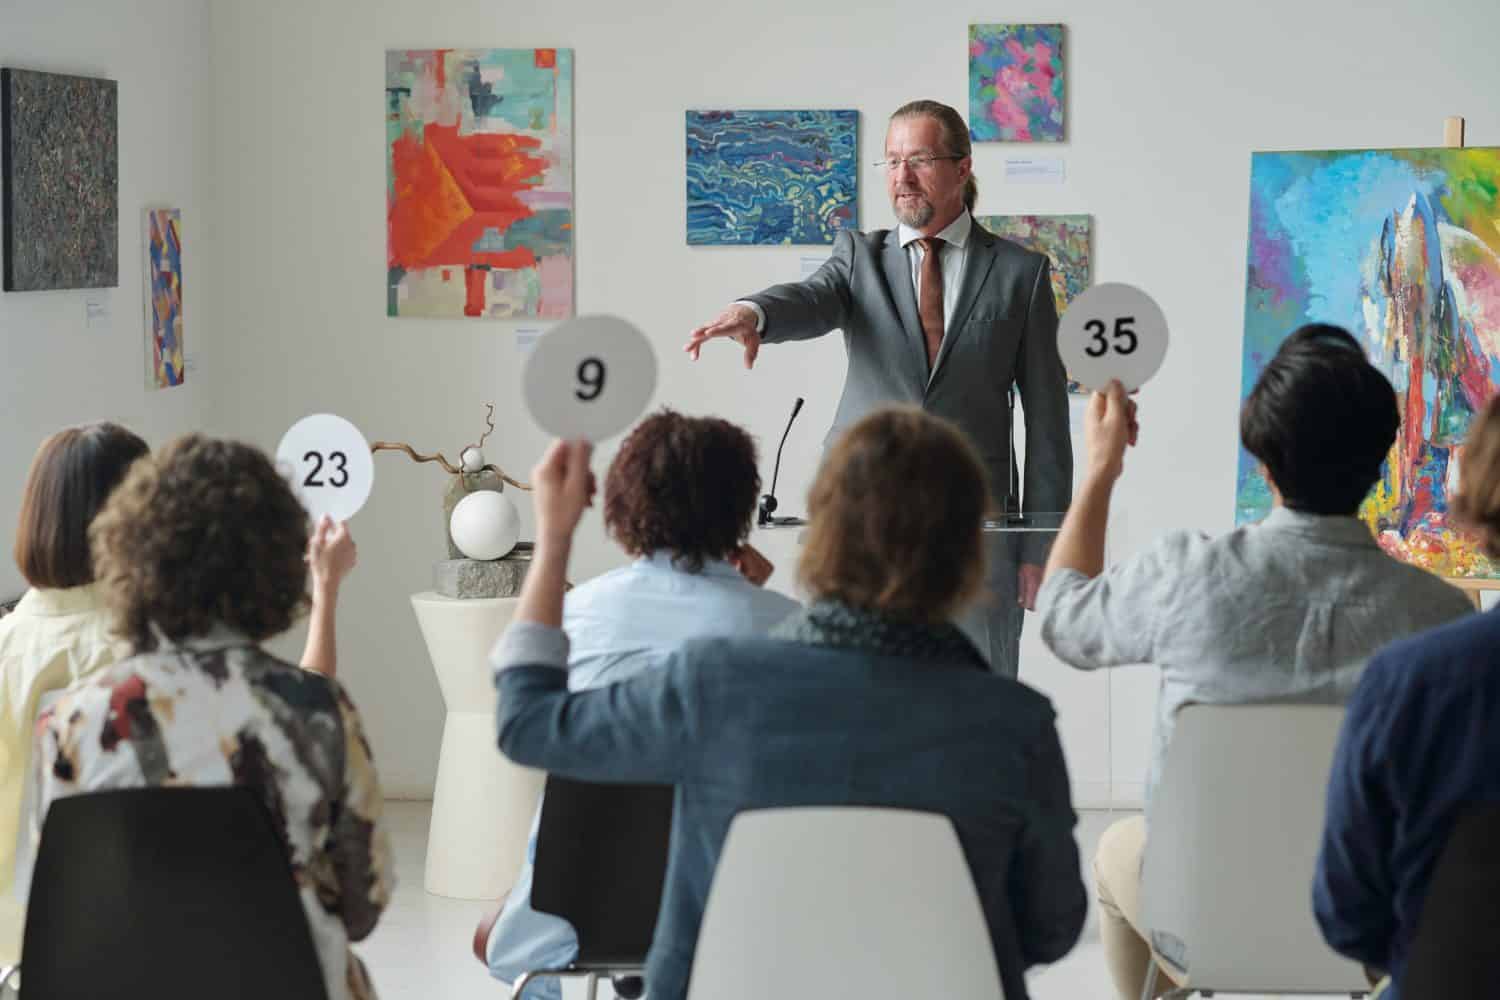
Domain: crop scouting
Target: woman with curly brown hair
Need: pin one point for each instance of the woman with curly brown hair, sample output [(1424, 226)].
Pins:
[(870, 696), (200, 555)]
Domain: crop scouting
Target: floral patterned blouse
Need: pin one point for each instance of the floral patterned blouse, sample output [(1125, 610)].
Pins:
[(217, 710)]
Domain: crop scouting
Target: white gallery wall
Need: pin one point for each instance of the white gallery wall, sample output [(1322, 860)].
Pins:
[(1165, 103), (67, 357)]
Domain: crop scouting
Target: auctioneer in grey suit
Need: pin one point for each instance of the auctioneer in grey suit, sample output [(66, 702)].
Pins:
[(1003, 331)]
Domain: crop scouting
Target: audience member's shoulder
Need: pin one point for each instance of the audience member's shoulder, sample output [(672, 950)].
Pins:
[(297, 686), (772, 602), (1455, 643), (1026, 699), (616, 579), (1447, 600), (734, 650), (1452, 658)]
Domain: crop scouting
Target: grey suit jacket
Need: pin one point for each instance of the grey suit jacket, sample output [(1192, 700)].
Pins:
[(1003, 331)]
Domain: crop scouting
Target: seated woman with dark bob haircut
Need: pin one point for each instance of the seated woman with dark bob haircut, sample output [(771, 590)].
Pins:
[(200, 553), (869, 697), (59, 631)]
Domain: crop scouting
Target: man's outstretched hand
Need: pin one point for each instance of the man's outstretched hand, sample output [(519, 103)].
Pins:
[(736, 322)]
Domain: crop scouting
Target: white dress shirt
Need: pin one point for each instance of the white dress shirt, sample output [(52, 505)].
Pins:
[(953, 254)]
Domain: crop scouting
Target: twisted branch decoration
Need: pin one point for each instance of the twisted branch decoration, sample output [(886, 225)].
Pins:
[(403, 446), (489, 419)]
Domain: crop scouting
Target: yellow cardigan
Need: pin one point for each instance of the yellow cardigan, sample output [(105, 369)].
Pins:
[(52, 639)]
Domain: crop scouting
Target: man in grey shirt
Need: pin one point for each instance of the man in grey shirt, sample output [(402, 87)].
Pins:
[(1286, 610)]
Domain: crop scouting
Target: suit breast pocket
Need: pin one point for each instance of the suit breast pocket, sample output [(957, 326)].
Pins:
[(999, 318)]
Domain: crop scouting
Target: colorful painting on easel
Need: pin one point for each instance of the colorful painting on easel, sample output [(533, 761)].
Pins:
[(771, 177), (1067, 240), (1402, 247), (479, 183), (164, 288), (1016, 82)]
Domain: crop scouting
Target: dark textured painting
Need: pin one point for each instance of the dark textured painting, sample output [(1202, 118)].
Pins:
[(61, 180)]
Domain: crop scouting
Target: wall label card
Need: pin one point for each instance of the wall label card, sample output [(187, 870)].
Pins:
[(1035, 170)]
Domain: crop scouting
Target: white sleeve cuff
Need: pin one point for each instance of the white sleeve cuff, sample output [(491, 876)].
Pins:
[(760, 314)]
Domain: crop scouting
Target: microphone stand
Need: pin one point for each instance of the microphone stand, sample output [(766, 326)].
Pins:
[(768, 500)]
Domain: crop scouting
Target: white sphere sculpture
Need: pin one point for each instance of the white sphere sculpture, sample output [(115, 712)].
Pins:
[(472, 459), (485, 525)]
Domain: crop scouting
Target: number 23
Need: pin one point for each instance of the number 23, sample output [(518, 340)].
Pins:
[(1098, 346), (339, 458)]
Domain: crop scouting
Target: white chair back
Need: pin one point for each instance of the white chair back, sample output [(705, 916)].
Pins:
[(27, 831), (1236, 821), (843, 902)]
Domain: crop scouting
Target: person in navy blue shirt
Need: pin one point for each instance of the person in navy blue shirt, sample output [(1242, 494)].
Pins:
[(1420, 744)]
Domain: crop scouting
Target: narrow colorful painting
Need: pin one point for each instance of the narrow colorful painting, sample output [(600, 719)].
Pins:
[(60, 199), (771, 177), (164, 289), (1402, 247), (1067, 240), (479, 194), (1016, 82)]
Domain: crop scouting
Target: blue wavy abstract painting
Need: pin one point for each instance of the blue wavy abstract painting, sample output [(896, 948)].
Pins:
[(771, 177)]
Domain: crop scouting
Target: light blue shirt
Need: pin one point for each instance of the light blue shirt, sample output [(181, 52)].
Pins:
[(1289, 609), (618, 625), (628, 619)]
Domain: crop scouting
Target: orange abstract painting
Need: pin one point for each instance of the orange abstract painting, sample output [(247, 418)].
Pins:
[(479, 174)]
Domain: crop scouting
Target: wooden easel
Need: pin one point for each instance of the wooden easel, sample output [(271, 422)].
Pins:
[(1453, 138)]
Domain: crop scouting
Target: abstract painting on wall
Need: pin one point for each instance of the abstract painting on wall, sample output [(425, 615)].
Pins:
[(1016, 82), (771, 177), (164, 291), (1067, 240), (61, 181), (1402, 247), (479, 193)]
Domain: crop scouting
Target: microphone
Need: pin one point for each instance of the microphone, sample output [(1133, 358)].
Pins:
[(768, 501)]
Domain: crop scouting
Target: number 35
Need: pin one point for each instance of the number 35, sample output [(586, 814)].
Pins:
[(1125, 339)]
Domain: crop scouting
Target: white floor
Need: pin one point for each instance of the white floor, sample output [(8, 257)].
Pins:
[(421, 948)]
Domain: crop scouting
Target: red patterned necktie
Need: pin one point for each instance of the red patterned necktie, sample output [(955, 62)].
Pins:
[(930, 297)]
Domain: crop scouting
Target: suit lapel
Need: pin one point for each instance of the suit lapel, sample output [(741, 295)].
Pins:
[(978, 258), (904, 296)]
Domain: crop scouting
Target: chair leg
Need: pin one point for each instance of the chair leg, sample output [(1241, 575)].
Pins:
[(1148, 989)]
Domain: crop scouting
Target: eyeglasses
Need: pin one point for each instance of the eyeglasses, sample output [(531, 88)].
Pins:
[(920, 164)]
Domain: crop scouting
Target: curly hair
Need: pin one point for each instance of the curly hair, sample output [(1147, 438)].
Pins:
[(684, 485), (896, 518), (205, 532), (1477, 503)]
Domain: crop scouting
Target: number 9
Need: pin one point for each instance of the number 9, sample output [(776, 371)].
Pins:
[(591, 378)]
